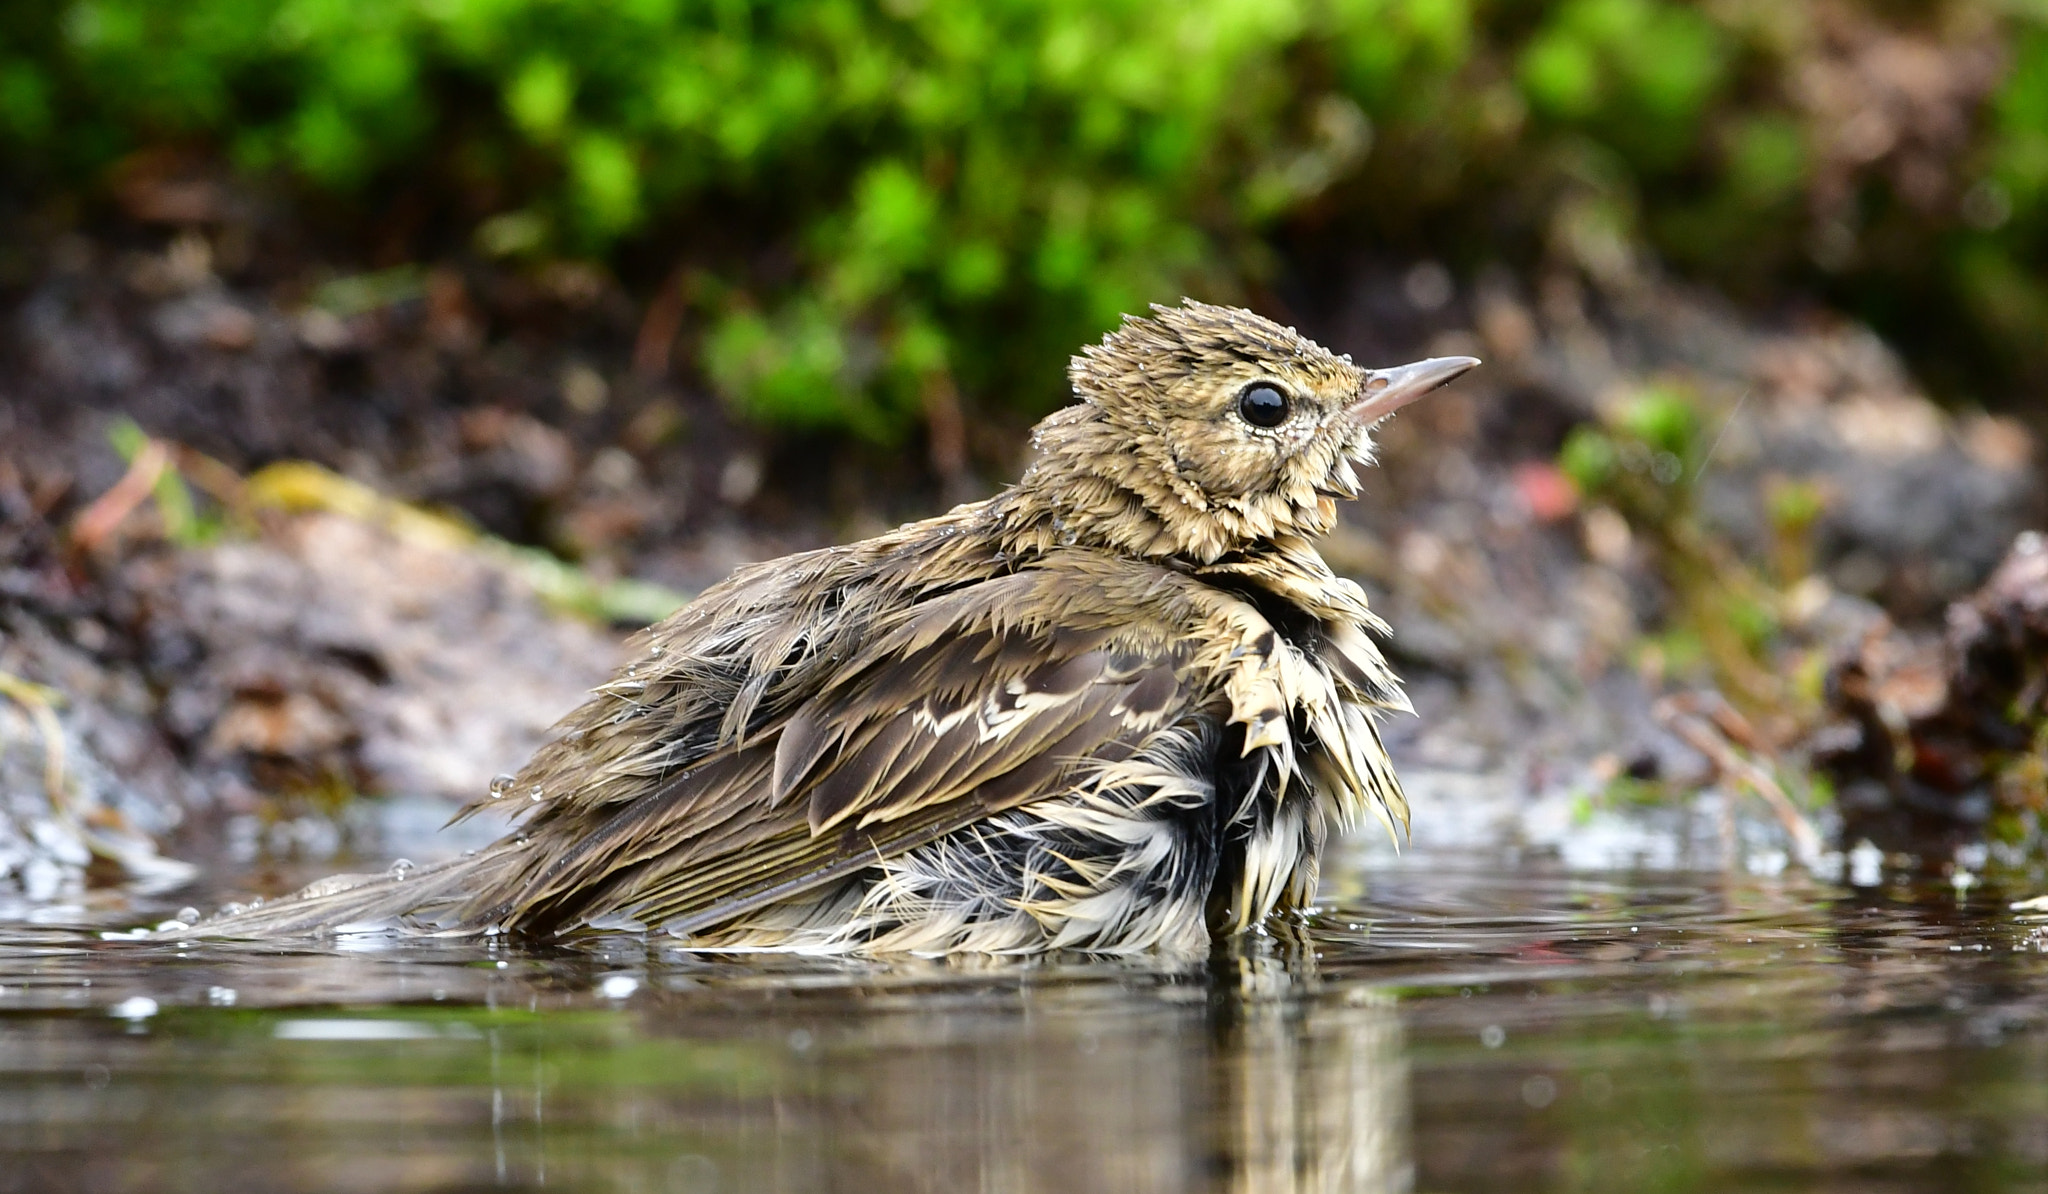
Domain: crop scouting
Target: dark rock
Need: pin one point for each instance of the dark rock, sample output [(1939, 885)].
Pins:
[(335, 648), (1938, 735)]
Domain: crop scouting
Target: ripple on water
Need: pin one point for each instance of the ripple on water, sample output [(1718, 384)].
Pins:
[(1452, 1027)]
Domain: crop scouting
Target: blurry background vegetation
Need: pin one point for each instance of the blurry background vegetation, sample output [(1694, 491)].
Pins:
[(871, 210)]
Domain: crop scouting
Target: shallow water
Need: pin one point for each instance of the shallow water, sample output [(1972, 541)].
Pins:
[(1448, 1028)]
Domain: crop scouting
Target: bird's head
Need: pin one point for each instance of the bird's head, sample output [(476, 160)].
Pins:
[(1208, 430)]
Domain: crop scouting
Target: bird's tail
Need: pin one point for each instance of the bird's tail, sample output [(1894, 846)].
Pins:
[(434, 899)]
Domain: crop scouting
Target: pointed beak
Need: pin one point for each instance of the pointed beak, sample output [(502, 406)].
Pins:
[(1388, 390)]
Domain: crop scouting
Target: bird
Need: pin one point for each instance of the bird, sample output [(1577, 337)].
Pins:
[(1119, 707)]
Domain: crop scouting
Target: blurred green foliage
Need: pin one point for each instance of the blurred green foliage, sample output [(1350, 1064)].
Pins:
[(1643, 463), (864, 198)]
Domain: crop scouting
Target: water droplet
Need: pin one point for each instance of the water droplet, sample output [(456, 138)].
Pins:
[(538, 794), (501, 785), (655, 649), (221, 996), (135, 1007), (189, 915), (400, 869), (618, 986), (233, 909)]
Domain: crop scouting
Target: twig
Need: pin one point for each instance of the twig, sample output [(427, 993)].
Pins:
[(660, 326), (1721, 435), (1682, 717), (110, 509), (37, 700), (112, 838), (947, 425)]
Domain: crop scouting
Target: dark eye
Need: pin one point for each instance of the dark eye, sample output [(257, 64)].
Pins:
[(1262, 405)]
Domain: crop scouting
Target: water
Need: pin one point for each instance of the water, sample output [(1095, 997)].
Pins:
[(1444, 1028)]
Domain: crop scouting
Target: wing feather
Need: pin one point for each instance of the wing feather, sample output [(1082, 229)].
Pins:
[(975, 700)]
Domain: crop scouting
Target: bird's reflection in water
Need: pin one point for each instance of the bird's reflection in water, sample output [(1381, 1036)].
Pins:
[(1312, 1088), (1241, 1076)]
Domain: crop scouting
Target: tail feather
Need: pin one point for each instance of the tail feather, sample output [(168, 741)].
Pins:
[(433, 899)]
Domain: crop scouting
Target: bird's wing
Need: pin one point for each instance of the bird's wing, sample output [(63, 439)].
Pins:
[(971, 702)]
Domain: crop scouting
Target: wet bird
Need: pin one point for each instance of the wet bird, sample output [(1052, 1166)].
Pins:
[(1120, 706)]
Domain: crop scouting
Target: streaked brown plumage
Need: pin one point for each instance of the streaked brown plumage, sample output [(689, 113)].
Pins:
[(1116, 707)]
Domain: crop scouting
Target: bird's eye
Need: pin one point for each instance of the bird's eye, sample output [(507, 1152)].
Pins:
[(1262, 405)]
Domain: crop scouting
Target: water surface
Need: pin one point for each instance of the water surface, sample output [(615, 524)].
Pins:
[(1447, 1027)]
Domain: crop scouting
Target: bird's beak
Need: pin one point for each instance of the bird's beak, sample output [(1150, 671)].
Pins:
[(1388, 390)]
